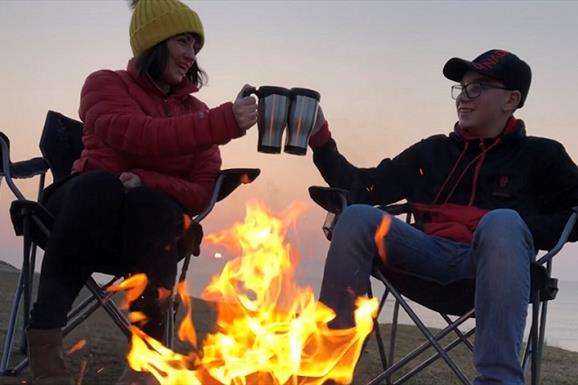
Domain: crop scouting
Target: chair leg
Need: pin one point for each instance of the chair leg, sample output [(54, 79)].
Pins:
[(392, 336), (542, 328), (173, 308), (185, 268), (431, 341), (23, 294), (534, 335), (29, 269), (422, 348), (419, 350), (84, 309), (32, 264), (104, 300), (80, 313), (433, 358), (377, 330), (394, 323), (541, 338), (12, 323), (170, 323), (527, 351), (28, 296), (459, 333)]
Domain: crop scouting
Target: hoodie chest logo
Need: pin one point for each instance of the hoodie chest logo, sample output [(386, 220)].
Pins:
[(503, 181), (505, 188)]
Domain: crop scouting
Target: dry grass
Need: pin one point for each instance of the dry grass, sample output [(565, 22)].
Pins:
[(103, 355)]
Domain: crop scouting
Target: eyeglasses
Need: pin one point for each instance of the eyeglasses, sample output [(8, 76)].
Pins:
[(473, 90)]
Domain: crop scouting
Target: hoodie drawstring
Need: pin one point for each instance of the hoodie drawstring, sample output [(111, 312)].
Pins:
[(478, 167), (451, 172), (480, 160)]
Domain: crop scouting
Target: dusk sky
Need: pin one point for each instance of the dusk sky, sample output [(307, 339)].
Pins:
[(377, 66)]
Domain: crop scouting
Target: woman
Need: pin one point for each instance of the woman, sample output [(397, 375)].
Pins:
[(150, 155)]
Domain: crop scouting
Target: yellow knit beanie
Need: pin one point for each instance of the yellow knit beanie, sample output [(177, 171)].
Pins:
[(156, 20)]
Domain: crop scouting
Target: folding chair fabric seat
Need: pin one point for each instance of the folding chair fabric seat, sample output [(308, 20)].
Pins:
[(456, 298), (20, 210)]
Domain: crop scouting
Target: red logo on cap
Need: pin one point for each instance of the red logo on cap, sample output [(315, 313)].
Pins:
[(490, 62)]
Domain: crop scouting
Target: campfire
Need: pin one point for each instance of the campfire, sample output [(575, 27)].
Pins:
[(268, 330)]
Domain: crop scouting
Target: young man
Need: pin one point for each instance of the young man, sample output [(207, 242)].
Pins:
[(485, 199)]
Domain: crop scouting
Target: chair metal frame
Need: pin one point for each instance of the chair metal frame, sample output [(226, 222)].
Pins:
[(226, 182), (544, 289)]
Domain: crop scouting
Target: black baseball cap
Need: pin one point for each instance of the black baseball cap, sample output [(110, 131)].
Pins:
[(504, 66)]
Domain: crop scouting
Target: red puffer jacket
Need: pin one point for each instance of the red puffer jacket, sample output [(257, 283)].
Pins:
[(170, 141)]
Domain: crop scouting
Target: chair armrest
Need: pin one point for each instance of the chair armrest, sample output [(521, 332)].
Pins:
[(233, 178), (41, 218), (396, 208), (227, 181), (29, 168), (24, 169), (332, 199), (5, 161), (563, 237)]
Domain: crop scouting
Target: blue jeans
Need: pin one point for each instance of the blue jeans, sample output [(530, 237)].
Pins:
[(498, 258)]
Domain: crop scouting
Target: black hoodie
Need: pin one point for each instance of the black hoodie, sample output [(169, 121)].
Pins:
[(452, 181)]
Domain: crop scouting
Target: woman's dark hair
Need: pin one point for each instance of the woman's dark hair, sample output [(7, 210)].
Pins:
[(154, 61)]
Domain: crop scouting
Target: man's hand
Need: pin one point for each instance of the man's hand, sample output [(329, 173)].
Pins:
[(130, 180), (245, 110)]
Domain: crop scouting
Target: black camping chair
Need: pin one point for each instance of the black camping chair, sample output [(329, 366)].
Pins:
[(455, 299), (60, 146)]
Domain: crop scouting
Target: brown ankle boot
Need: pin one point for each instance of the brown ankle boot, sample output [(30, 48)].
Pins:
[(47, 357)]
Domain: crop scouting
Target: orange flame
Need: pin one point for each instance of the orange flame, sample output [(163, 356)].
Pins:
[(163, 293), (132, 286), (187, 222), (137, 317), (245, 179), (186, 329), (76, 347), (380, 234), (269, 330)]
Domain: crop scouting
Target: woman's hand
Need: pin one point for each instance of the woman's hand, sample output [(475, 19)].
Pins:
[(245, 110), (319, 122), (130, 180)]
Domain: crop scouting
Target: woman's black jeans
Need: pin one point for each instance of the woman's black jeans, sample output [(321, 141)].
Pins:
[(101, 227)]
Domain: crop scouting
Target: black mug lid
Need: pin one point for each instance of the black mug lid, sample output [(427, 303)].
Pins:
[(265, 91), (306, 92)]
